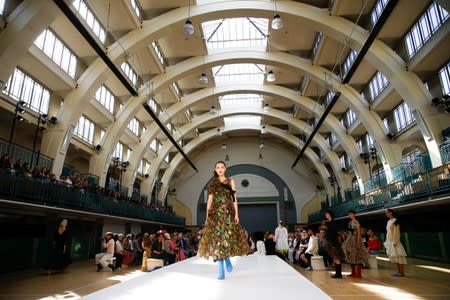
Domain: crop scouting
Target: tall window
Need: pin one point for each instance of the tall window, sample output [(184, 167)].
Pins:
[(158, 52), (410, 157), (2, 6), (105, 97), (22, 87), (51, 45), (348, 62), (360, 144), (377, 85), (316, 43), (343, 160), (118, 151), (176, 88), (153, 145), (425, 27), (350, 117), (444, 75), (369, 141), (143, 166), (333, 139), (403, 116), (134, 126), (128, 70), (85, 129), (136, 8), (386, 123), (377, 10), (90, 19), (153, 105), (329, 97)]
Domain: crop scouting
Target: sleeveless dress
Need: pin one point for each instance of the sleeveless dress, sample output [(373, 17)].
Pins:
[(397, 253), (354, 255), (222, 237)]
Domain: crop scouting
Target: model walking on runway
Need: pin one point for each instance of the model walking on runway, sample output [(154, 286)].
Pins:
[(223, 237)]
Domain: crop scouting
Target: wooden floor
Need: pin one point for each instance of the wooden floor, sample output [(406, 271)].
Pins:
[(424, 280)]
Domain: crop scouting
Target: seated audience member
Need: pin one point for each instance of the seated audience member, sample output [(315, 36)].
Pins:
[(118, 250), (313, 249), (103, 259), (364, 236), (301, 246), (128, 253), (373, 243), (269, 244), (323, 248), (260, 246)]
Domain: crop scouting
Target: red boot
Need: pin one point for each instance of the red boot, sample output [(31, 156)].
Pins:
[(353, 270), (358, 269)]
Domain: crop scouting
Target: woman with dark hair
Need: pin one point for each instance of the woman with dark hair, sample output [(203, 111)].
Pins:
[(223, 237), (394, 248), (333, 246), (354, 249)]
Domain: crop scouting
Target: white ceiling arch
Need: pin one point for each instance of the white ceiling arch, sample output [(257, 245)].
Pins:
[(197, 121), (192, 65), (210, 134), (379, 55)]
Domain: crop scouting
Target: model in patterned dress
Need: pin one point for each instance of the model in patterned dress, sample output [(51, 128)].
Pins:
[(355, 251), (223, 237)]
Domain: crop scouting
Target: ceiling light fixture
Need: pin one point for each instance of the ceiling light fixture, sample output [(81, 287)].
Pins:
[(277, 22), (271, 76), (203, 79), (188, 28)]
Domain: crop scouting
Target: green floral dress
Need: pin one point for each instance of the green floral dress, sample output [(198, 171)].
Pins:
[(222, 237)]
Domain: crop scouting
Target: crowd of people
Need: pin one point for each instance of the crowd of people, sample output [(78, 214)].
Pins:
[(74, 181), (135, 249)]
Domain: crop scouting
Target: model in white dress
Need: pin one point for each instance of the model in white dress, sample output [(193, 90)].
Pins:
[(281, 238), (394, 248)]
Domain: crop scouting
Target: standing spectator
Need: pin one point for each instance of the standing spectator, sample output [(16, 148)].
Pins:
[(334, 248), (137, 248), (103, 259), (119, 250), (394, 248), (355, 252), (281, 240), (313, 249), (158, 247), (128, 254), (147, 246), (169, 249), (373, 242), (59, 254)]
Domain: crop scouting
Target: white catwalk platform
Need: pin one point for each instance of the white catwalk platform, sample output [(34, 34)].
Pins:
[(253, 277)]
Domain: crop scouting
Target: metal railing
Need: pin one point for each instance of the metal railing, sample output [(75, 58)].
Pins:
[(40, 191)]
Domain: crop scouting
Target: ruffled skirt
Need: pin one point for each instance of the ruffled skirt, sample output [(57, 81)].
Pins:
[(354, 253), (396, 254)]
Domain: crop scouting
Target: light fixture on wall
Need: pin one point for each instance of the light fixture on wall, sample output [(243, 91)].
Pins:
[(227, 157), (261, 145), (218, 132), (266, 108), (260, 156), (203, 79), (271, 76), (223, 147), (188, 28), (213, 110)]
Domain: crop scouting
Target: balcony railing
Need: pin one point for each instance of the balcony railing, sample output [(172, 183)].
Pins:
[(27, 189), (412, 188)]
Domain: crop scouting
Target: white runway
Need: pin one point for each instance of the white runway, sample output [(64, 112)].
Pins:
[(253, 277)]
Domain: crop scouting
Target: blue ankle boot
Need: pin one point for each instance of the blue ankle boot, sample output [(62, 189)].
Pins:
[(221, 270), (229, 265)]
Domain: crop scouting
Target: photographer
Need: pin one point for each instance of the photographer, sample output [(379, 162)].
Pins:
[(103, 259)]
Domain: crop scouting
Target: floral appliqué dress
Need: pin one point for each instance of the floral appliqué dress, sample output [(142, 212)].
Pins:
[(222, 237)]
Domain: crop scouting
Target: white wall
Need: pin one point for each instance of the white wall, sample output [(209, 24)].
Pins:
[(115, 227), (189, 184)]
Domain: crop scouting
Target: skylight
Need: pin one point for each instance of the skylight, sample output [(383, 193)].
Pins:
[(235, 33), (242, 121), (241, 100), (253, 73)]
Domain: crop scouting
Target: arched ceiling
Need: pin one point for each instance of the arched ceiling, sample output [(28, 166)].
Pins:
[(305, 65)]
